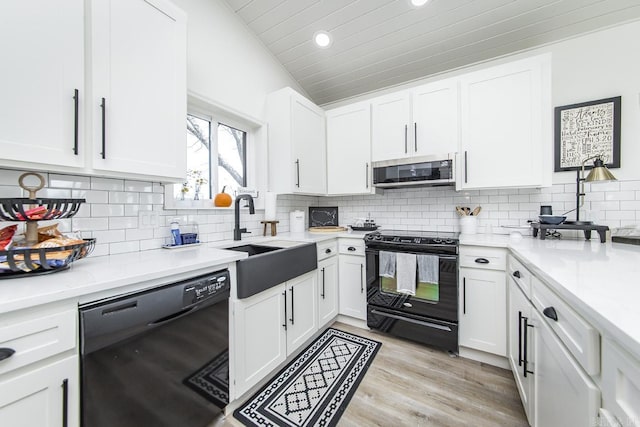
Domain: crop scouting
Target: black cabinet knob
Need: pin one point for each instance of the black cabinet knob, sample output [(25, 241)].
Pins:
[(6, 353), (482, 261), (550, 312), (351, 249), (327, 251), (516, 274)]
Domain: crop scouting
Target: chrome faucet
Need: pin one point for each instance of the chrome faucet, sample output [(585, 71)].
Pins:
[(237, 231)]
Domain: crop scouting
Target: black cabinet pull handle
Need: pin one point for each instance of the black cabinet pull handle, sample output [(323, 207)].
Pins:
[(292, 301), (103, 105), (482, 261), (520, 338), (464, 295), (465, 167), (65, 402), (298, 173), (361, 279), (550, 312), (366, 175), (322, 294), (406, 127), (351, 249), (327, 251), (525, 362), (284, 294), (517, 274), (76, 100), (6, 353), (415, 136)]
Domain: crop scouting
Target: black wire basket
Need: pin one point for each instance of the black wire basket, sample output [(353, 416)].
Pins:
[(22, 209), (32, 261)]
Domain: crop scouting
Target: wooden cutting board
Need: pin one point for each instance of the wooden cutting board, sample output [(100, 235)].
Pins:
[(327, 229)]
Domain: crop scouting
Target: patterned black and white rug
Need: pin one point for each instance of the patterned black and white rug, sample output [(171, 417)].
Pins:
[(316, 387), (212, 380)]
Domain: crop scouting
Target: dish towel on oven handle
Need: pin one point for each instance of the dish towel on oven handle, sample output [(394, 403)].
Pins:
[(388, 264), (406, 273), (428, 269)]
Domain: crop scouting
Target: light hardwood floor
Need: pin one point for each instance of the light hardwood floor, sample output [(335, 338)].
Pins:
[(413, 385)]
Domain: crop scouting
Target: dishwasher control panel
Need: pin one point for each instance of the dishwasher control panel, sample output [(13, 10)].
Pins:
[(205, 287)]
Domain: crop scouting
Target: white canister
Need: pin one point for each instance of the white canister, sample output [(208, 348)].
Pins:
[(296, 222), (468, 224)]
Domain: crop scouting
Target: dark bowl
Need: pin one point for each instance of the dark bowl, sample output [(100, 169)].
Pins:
[(551, 219)]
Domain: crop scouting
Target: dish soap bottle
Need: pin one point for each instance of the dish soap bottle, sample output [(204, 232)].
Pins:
[(175, 232)]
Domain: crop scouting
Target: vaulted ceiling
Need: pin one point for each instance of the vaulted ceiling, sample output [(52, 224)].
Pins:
[(381, 43)]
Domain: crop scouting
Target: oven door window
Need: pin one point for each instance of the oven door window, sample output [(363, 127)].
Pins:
[(424, 291)]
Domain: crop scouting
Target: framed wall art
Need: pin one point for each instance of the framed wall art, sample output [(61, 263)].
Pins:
[(586, 129)]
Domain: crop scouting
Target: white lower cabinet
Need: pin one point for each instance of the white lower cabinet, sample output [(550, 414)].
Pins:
[(620, 386), (302, 311), (327, 290), (520, 358), (260, 338), (565, 395), (482, 310), (42, 397), (271, 325), (353, 287)]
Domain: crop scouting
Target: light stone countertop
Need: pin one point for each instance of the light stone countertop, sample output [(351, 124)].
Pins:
[(97, 277), (599, 280)]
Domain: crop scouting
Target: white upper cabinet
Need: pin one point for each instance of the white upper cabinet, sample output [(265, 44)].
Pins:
[(42, 67), (297, 144), (391, 115), (420, 122), (349, 149), (138, 61), (435, 118), (505, 126)]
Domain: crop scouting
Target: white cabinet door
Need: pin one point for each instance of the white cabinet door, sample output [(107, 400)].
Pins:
[(138, 52), (520, 308), (302, 312), (390, 126), (620, 385), (260, 337), (564, 394), (327, 290), (483, 317), (42, 45), (435, 118), (505, 112), (353, 287), (309, 152), (37, 398), (349, 149)]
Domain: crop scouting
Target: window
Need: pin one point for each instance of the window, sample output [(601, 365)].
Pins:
[(216, 158)]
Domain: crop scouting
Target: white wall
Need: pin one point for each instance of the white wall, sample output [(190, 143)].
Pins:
[(226, 62), (599, 65)]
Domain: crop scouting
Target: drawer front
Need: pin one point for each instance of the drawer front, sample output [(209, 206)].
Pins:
[(483, 257), (351, 246), (620, 384), (520, 275), (37, 338), (581, 339), (327, 249)]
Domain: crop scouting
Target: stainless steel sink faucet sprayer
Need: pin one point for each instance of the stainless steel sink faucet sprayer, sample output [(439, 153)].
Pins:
[(237, 231)]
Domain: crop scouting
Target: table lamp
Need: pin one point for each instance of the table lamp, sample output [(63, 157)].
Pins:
[(599, 173)]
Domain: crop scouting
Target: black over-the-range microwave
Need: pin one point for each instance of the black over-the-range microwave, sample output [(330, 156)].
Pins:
[(414, 171)]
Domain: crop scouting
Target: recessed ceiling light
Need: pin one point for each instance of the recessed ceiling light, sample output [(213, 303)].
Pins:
[(322, 39), (418, 3)]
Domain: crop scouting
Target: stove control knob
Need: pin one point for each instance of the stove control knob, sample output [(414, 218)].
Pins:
[(437, 240), (449, 242), (378, 237)]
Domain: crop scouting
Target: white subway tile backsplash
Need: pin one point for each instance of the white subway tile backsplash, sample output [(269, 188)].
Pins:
[(106, 210), (91, 196), (54, 193), (123, 222), (107, 184), (69, 181), (90, 224), (7, 191), (109, 236), (136, 234), (123, 197), (138, 186), (151, 198)]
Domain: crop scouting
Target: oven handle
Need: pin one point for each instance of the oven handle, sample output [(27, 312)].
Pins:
[(407, 319), (376, 252)]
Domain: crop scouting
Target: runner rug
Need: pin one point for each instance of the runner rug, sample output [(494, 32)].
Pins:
[(316, 387), (212, 380)]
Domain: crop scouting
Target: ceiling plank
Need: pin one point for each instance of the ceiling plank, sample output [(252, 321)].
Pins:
[(257, 8)]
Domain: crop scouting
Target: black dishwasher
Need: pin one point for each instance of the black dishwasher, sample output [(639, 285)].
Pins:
[(158, 357)]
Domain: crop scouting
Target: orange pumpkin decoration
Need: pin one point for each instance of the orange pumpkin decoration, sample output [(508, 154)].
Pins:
[(222, 199)]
